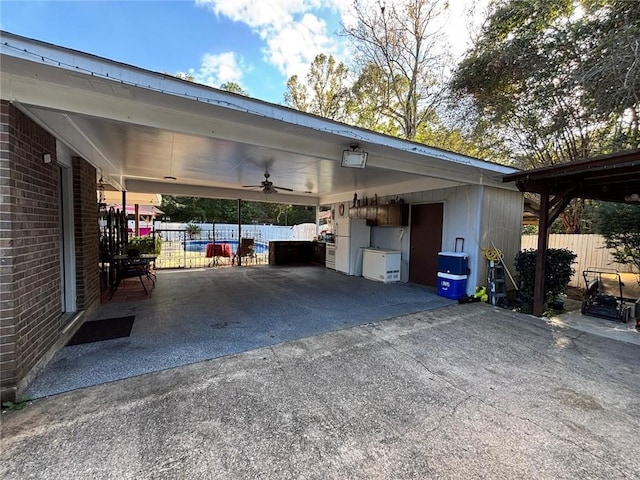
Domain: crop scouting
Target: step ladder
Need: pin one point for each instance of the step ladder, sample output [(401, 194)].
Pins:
[(497, 285)]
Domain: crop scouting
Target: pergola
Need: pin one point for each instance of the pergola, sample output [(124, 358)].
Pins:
[(611, 178)]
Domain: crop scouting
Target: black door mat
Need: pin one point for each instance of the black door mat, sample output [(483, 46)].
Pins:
[(107, 329)]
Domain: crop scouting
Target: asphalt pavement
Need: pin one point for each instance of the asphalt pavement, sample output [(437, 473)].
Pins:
[(463, 391)]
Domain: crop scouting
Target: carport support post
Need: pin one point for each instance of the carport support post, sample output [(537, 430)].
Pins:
[(543, 240), (126, 219), (136, 213), (239, 258)]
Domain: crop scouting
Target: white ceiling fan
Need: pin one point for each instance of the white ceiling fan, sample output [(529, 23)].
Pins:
[(267, 186)]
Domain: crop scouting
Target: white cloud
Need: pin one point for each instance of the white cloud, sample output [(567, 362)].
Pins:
[(293, 35), (217, 69), (293, 31), (295, 46)]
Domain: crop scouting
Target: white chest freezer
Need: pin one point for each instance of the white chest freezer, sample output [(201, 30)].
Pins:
[(381, 265)]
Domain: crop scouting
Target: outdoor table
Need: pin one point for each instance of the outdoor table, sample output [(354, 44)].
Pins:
[(215, 250), (128, 266)]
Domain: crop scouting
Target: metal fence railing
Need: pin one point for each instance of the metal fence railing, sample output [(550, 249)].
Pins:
[(213, 247)]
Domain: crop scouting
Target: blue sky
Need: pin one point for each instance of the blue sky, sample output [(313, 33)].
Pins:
[(255, 43)]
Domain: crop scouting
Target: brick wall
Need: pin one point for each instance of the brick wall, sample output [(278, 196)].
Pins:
[(85, 213), (30, 302)]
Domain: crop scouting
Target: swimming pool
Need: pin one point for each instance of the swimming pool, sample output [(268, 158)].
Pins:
[(201, 245)]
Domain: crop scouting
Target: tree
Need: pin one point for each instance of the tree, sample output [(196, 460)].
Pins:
[(619, 224), (612, 73), (398, 89), (324, 93), (538, 72), (233, 87), (182, 209), (367, 105), (400, 46), (185, 76), (214, 210)]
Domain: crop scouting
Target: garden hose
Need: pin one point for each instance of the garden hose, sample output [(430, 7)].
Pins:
[(492, 254)]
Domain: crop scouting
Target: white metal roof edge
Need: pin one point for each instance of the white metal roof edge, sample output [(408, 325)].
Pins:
[(81, 62)]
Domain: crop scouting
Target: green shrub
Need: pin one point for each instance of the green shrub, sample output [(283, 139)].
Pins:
[(146, 244), (558, 273)]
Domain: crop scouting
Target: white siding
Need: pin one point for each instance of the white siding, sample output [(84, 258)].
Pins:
[(479, 214), (476, 213), (501, 225)]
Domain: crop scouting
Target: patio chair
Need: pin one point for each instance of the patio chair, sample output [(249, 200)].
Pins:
[(246, 250)]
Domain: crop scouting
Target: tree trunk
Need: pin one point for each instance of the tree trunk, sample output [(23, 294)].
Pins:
[(572, 215)]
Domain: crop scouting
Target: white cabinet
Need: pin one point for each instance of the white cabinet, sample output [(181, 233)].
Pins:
[(381, 265)]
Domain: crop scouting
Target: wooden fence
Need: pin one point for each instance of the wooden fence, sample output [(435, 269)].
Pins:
[(589, 249)]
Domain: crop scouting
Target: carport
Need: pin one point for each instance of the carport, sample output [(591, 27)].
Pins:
[(611, 178), (152, 133)]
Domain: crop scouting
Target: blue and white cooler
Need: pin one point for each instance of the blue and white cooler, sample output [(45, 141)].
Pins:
[(452, 286), (453, 269), (454, 263)]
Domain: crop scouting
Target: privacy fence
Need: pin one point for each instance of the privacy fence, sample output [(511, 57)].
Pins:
[(590, 251)]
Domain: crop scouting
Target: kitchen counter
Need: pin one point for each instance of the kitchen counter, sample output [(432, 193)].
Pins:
[(288, 252)]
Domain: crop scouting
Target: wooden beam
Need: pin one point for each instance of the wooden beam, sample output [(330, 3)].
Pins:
[(559, 205), (543, 239)]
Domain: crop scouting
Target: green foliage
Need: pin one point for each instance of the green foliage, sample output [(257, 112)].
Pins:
[(211, 210), (193, 230), (17, 405), (146, 244), (233, 87), (398, 89), (559, 79), (619, 224), (183, 209), (324, 93), (558, 273)]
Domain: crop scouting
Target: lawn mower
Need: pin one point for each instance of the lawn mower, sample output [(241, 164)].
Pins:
[(603, 296)]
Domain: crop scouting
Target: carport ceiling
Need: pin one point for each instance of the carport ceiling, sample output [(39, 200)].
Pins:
[(143, 129)]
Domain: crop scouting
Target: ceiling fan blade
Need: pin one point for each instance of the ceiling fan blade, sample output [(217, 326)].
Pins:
[(284, 188), (252, 186)]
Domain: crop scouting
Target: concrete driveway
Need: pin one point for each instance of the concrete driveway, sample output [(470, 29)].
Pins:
[(201, 314), (464, 391)]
